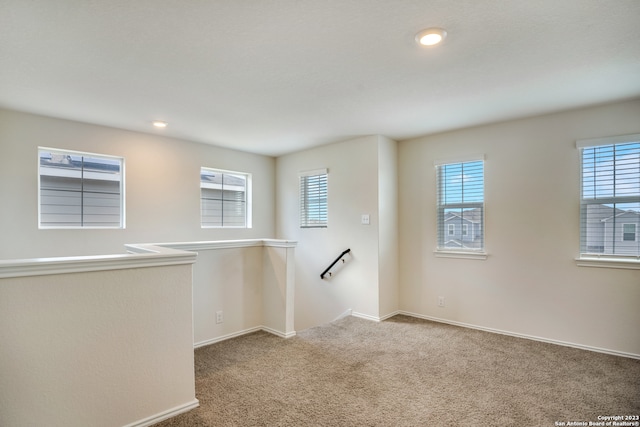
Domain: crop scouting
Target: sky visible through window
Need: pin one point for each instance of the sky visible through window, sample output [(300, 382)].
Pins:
[(462, 183), (78, 162), (612, 171)]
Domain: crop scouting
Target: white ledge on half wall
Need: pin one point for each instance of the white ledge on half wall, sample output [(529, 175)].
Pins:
[(151, 257), (215, 244), (138, 256)]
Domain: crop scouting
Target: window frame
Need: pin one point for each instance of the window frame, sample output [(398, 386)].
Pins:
[(597, 259), (248, 206), (449, 252), (321, 219), (84, 154)]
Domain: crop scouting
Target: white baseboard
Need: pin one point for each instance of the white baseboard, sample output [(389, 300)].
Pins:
[(519, 335), (278, 333), (366, 316), (347, 313), (497, 331), (385, 317), (244, 332), (374, 318), (154, 419), (226, 337)]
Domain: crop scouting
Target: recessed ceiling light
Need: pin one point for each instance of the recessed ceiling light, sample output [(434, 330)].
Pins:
[(160, 124), (431, 36)]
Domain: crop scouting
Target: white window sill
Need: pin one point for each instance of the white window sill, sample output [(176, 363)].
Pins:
[(461, 254), (628, 263)]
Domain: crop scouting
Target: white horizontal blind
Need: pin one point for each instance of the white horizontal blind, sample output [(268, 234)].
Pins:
[(223, 198), (80, 190), (313, 201), (610, 198), (461, 206)]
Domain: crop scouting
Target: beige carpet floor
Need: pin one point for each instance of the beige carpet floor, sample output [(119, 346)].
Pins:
[(405, 372)]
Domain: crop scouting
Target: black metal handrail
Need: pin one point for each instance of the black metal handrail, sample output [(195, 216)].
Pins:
[(334, 263)]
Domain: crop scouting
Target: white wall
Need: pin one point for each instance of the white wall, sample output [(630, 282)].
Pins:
[(227, 280), (388, 226), (162, 187), (102, 348), (249, 281), (530, 283), (278, 290), (353, 190)]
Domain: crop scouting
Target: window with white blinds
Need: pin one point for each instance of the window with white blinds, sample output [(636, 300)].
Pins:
[(610, 196), (313, 199), (225, 198), (80, 190), (460, 206)]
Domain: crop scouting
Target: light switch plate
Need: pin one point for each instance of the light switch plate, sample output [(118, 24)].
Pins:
[(365, 219)]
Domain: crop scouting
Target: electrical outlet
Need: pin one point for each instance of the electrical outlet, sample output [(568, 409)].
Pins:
[(440, 301), (219, 316)]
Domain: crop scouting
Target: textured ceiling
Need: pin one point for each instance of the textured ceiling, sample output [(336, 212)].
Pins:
[(275, 76)]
